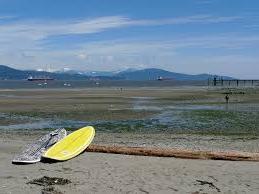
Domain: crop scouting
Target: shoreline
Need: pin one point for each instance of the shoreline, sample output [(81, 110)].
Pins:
[(144, 145), (191, 142)]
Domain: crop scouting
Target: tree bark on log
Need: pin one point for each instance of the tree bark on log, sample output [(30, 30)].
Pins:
[(176, 153)]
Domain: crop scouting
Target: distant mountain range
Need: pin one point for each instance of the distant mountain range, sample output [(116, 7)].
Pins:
[(154, 74), (7, 73)]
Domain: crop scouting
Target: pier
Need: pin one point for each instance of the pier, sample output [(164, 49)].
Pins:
[(233, 82)]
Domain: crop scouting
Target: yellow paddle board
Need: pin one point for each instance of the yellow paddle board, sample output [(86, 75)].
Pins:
[(72, 145)]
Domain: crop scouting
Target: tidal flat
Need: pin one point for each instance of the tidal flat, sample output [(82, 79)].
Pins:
[(190, 117)]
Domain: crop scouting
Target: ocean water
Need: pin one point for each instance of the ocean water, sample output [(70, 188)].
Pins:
[(18, 84)]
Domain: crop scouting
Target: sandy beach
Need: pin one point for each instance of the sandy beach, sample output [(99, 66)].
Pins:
[(111, 173)]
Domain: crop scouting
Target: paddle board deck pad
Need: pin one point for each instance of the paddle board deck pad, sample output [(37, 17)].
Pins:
[(32, 153), (72, 145)]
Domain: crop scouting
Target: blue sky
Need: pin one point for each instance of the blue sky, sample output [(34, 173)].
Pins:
[(187, 36)]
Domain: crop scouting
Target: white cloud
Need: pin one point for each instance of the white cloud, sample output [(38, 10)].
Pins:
[(38, 30), (134, 46), (196, 19), (21, 44), (82, 55), (23, 36), (172, 55), (6, 17), (239, 66)]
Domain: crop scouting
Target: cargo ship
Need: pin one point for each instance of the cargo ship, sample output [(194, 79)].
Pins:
[(40, 78)]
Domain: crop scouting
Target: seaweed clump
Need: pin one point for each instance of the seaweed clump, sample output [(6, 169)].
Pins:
[(46, 181), (50, 190)]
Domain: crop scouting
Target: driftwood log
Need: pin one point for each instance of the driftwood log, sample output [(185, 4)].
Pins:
[(177, 153)]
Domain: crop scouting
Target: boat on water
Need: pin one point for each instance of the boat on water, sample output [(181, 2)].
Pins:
[(39, 78), (160, 78)]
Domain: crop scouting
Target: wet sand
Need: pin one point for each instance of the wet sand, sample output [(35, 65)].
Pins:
[(111, 173)]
